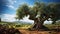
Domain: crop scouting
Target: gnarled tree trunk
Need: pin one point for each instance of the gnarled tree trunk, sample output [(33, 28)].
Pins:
[(38, 23)]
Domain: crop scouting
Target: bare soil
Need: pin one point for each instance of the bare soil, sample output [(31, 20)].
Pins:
[(38, 32)]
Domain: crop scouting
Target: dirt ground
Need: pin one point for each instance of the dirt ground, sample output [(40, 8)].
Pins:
[(38, 32)]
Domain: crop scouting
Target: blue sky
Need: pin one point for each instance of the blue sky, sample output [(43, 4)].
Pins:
[(8, 7)]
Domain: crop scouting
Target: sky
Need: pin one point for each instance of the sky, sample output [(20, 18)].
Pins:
[(8, 8)]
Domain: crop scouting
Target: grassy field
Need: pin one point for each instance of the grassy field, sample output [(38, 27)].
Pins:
[(16, 25), (23, 28), (25, 25)]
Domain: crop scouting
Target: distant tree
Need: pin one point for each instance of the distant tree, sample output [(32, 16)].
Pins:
[(39, 13), (0, 19)]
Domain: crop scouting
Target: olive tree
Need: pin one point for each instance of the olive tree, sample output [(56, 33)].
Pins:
[(39, 13)]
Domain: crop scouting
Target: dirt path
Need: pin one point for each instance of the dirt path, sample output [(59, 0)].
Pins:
[(37, 32)]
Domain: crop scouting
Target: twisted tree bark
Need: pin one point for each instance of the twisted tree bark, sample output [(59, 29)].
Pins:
[(38, 24)]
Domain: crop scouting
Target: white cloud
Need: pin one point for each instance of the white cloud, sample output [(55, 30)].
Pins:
[(11, 18), (8, 18), (15, 1), (48, 22), (12, 1), (11, 6), (26, 19), (30, 5)]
